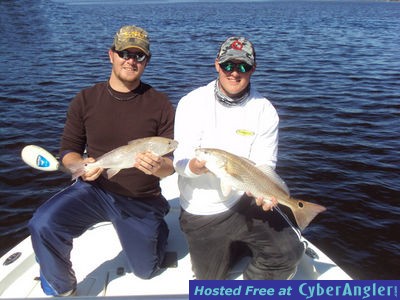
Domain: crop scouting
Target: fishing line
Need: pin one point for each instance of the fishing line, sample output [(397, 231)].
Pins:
[(295, 228)]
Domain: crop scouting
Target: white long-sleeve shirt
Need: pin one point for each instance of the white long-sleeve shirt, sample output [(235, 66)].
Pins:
[(249, 130)]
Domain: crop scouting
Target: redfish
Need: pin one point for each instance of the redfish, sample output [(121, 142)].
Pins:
[(124, 157), (241, 174)]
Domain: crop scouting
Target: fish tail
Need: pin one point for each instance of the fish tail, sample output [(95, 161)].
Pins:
[(304, 212)]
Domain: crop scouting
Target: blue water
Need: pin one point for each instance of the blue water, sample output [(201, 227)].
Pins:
[(332, 70)]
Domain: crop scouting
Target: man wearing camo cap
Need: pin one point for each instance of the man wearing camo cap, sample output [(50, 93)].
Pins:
[(229, 114), (101, 118), (129, 37)]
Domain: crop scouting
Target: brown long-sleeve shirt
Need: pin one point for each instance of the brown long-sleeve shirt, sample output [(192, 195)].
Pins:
[(100, 122)]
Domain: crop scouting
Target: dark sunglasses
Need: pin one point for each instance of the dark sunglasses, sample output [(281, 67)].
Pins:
[(125, 54), (239, 67)]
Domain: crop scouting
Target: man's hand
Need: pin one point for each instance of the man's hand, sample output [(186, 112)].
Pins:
[(73, 160), (266, 204), (198, 167), (152, 164), (148, 163), (92, 174)]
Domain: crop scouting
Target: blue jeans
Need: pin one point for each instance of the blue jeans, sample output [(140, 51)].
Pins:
[(139, 223)]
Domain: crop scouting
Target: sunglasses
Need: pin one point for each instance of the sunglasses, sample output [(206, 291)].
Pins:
[(125, 54), (239, 67)]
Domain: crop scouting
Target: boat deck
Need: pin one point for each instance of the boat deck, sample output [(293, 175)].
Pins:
[(101, 267)]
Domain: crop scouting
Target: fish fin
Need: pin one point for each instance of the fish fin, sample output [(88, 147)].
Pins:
[(274, 177), (112, 172), (304, 212), (232, 170), (225, 188)]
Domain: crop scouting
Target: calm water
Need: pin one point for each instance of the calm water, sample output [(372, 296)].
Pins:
[(332, 69)]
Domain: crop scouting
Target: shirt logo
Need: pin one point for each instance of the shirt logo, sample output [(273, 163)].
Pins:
[(244, 132)]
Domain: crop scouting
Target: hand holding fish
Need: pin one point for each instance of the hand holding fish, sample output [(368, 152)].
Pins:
[(266, 204), (198, 166), (92, 174), (148, 163), (74, 160)]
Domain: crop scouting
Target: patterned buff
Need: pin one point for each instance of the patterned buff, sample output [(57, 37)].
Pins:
[(228, 101)]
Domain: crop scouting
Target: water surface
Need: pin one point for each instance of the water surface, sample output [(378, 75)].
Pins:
[(330, 68)]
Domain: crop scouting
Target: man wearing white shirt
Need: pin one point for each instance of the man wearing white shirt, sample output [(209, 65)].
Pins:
[(229, 114)]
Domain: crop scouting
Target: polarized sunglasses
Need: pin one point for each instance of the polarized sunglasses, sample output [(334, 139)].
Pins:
[(125, 54), (229, 66)]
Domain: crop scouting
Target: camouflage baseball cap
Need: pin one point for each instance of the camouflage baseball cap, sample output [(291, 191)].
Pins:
[(237, 48), (132, 37)]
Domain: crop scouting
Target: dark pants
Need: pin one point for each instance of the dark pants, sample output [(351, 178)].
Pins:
[(139, 223), (275, 246)]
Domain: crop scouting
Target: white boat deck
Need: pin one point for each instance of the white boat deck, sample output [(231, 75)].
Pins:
[(101, 267)]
